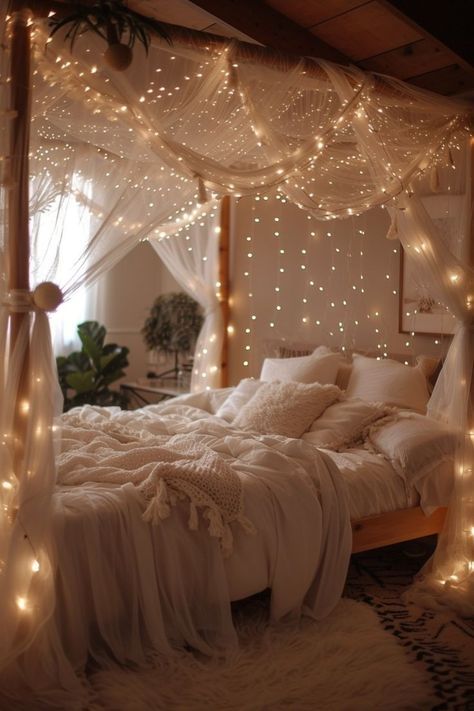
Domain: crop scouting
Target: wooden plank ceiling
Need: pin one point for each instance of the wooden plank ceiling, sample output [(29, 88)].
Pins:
[(423, 42)]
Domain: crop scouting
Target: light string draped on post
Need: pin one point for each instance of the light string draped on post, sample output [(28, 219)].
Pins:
[(448, 579)]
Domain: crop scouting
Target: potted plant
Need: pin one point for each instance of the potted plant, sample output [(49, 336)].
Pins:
[(85, 375), (114, 22), (172, 327)]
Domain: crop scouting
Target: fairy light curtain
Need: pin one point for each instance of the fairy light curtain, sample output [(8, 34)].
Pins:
[(181, 126)]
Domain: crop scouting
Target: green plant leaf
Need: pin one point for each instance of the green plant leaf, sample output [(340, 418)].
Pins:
[(81, 382), (92, 337), (85, 375)]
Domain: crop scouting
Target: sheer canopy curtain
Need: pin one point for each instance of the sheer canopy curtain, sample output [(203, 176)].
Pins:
[(192, 257), (448, 579)]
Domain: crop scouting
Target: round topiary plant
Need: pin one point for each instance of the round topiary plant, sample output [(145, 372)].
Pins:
[(173, 324)]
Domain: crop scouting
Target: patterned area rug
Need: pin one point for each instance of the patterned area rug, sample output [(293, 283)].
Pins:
[(440, 643)]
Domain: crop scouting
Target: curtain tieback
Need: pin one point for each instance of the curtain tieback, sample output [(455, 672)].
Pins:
[(45, 297)]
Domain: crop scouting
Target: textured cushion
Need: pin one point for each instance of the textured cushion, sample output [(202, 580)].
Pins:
[(305, 369), (239, 397), (388, 381), (286, 408), (344, 422), (416, 445)]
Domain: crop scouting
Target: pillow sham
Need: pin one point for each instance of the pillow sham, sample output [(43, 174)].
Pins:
[(416, 445), (305, 369), (239, 397), (344, 422), (388, 381), (286, 409)]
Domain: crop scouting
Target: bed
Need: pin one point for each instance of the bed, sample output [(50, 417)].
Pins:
[(133, 576)]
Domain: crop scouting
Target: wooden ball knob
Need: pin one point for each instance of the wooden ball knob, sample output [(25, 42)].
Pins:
[(47, 296)]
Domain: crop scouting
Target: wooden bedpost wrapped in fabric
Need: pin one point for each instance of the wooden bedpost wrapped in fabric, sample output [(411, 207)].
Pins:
[(28, 390)]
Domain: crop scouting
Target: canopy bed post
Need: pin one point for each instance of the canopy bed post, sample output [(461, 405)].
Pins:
[(18, 248), (224, 285), (471, 263)]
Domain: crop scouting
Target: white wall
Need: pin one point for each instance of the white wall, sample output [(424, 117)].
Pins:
[(340, 255), (353, 301), (125, 295)]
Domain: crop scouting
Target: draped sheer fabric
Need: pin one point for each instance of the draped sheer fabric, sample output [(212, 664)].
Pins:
[(191, 256), (138, 154)]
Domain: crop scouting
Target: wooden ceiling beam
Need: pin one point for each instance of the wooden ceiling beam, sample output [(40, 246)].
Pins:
[(413, 59), (446, 23), (271, 28), (447, 80)]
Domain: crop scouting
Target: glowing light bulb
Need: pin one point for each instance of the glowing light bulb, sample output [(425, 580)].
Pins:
[(24, 407), (35, 566), (22, 603)]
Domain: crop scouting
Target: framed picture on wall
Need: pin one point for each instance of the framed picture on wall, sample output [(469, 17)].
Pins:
[(419, 312)]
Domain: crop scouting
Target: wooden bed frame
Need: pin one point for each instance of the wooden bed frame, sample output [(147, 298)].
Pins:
[(395, 527)]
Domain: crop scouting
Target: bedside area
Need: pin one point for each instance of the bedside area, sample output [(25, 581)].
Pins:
[(150, 391)]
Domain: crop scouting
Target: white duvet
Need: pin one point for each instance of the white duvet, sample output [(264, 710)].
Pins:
[(171, 581)]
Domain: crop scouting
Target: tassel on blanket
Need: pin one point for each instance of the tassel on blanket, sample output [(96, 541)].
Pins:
[(216, 523), (159, 507), (193, 521), (218, 529)]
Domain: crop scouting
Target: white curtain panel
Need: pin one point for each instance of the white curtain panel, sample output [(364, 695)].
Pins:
[(192, 257), (448, 578), (137, 153)]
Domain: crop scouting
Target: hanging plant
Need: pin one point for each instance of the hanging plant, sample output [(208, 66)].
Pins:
[(116, 23)]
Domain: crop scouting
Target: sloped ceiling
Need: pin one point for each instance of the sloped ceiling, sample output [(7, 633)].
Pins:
[(426, 43)]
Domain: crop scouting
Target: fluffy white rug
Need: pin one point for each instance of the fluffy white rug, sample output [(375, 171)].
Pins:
[(345, 663)]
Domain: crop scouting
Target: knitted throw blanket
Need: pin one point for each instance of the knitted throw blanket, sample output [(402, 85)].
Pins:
[(164, 469), (190, 470)]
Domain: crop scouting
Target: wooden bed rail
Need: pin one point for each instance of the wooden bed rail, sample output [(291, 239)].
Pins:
[(395, 527)]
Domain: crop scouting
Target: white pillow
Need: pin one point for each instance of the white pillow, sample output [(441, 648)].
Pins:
[(344, 422), (286, 409), (416, 445), (239, 397), (343, 374), (305, 369), (388, 381)]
